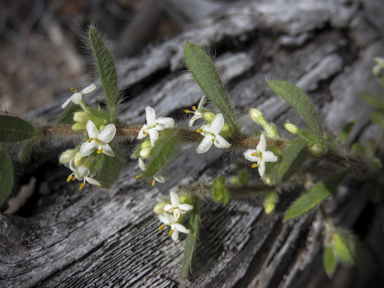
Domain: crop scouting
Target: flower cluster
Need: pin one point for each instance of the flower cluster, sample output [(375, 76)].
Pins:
[(83, 160), (169, 214)]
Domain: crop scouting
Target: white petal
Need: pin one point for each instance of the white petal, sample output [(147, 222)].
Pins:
[(248, 155), (181, 228), (92, 181), (142, 165), (92, 130), (65, 104), (87, 148), (108, 133), (262, 144), (220, 142), (175, 235), (150, 115), (216, 124), (72, 165), (159, 178), (164, 122), (88, 89), (268, 156), (76, 98), (193, 119), (108, 151), (185, 207), (176, 215), (174, 199), (202, 102), (167, 207), (141, 134), (261, 168), (165, 218), (153, 134), (205, 144), (83, 171)]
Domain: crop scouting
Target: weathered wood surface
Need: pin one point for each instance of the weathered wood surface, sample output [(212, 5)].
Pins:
[(99, 238)]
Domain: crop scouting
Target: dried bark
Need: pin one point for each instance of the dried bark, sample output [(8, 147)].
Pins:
[(99, 238)]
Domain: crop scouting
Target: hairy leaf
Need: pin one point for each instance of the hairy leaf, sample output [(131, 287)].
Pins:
[(329, 261), (292, 158), (14, 129), (110, 168), (107, 71), (190, 242), (6, 175), (300, 101), (205, 73), (316, 195), (372, 99)]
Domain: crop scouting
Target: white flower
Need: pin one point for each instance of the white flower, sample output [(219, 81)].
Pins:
[(98, 140), (81, 173), (198, 113), (154, 125), (379, 65), (157, 176), (211, 135), (176, 208), (78, 96), (260, 155), (175, 227)]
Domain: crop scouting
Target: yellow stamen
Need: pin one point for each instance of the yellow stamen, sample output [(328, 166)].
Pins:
[(213, 140), (194, 108), (74, 90), (138, 176), (153, 182), (90, 140), (161, 227), (157, 123), (100, 151), (81, 186), (145, 133), (199, 130), (170, 232), (254, 165), (70, 178), (254, 154), (187, 111)]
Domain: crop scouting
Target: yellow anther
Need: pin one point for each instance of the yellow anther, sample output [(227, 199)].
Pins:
[(194, 108), (145, 133), (138, 176), (90, 140), (153, 182), (161, 227), (254, 165), (187, 111), (100, 151), (74, 90), (70, 178), (254, 154), (81, 186), (213, 140), (199, 130), (157, 123), (170, 232)]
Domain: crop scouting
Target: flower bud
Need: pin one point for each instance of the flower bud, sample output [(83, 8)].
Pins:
[(78, 127), (78, 160), (226, 131), (257, 116), (144, 153), (81, 117), (159, 207), (66, 156), (317, 150), (270, 200), (146, 144), (292, 128), (101, 127), (208, 116)]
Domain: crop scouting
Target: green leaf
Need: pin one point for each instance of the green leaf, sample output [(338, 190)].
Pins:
[(378, 117), (340, 245), (110, 168), (329, 261), (163, 150), (6, 175), (205, 73), (67, 116), (372, 99), (292, 158), (14, 129), (300, 101), (136, 154), (343, 137), (316, 195), (107, 71), (190, 242), (220, 193)]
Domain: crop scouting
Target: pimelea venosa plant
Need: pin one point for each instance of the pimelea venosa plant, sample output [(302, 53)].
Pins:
[(97, 160)]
